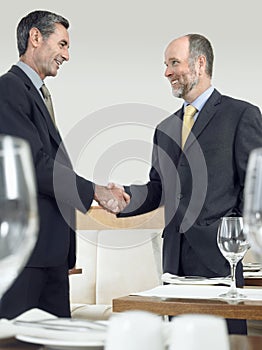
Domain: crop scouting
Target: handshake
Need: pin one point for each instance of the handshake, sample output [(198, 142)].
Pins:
[(112, 197)]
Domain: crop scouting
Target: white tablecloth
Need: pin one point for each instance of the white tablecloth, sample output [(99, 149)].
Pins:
[(197, 292)]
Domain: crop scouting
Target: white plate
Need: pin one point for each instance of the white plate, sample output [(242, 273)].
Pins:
[(63, 344)]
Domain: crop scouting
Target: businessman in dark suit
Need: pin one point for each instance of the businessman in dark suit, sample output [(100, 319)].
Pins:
[(203, 180), (43, 43)]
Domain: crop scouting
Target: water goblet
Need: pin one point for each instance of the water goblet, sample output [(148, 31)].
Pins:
[(18, 208), (233, 244)]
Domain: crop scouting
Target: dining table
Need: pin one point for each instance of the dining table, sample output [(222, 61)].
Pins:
[(181, 295), (237, 342)]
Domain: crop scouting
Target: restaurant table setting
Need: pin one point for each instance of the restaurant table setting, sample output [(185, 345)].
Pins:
[(133, 329), (129, 330)]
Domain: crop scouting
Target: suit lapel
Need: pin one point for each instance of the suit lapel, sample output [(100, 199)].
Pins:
[(51, 127), (171, 133), (204, 117), (40, 103)]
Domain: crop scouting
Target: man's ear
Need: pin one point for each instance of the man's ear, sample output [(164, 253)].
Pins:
[(202, 64), (35, 37)]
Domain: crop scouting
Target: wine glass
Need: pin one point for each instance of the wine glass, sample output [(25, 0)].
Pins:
[(252, 214), (18, 208), (233, 244)]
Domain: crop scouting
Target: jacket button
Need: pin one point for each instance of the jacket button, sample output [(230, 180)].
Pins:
[(180, 196)]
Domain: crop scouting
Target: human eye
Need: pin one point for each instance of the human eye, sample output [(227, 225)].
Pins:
[(174, 62), (62, 44)]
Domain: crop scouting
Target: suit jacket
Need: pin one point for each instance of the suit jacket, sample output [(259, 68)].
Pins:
[(60, 190), (202, 183)]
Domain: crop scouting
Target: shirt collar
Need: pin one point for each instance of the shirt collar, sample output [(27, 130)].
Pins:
[(201, 100), (32, 75)]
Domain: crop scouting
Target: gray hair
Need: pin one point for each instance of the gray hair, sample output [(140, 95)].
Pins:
[(199, 45), (44, 21)]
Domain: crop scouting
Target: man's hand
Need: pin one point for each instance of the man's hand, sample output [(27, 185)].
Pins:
[(111, 197)]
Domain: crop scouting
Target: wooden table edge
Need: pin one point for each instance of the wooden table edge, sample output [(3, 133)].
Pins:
[(251, 310)]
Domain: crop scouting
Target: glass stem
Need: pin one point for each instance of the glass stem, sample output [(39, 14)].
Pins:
[(233, 278)]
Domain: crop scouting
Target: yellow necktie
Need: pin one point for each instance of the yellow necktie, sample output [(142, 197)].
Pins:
[(48, 102), (188, 122)]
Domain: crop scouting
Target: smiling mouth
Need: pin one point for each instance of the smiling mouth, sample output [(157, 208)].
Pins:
[(59, 63), (174, 82)]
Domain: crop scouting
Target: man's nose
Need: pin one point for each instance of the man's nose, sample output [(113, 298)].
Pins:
[(65, 54), (168, 72)]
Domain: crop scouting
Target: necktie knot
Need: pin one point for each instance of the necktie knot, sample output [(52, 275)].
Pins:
[(190, 111), (188, 122), (45, 91)]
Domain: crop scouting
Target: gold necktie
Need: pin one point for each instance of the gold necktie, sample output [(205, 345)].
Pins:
[(188, 122), (48, 102)]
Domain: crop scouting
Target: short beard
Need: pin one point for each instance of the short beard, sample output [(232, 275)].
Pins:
[(186, 88), (178, 93)]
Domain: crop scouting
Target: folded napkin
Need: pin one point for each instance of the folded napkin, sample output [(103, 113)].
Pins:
[(40, 324), (8, 328), (197, 292), (194, 280)]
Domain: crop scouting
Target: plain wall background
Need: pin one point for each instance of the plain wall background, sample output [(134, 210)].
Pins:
[(115, 76)]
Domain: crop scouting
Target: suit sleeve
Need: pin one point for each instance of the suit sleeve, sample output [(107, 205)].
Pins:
[(147, 197), (20, 117), (248, 137)]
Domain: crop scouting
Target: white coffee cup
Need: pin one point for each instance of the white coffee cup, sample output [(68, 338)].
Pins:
[(135, 330), (198, 332)]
